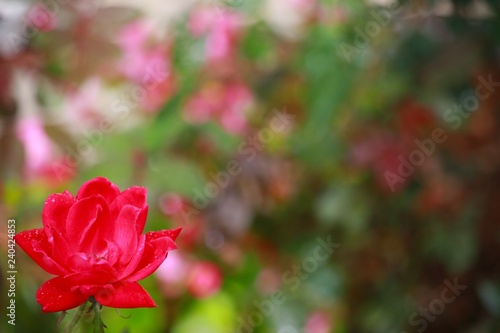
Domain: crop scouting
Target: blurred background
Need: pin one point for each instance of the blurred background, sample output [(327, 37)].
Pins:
[(333, 164)]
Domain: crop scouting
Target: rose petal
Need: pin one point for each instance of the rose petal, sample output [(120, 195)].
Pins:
[(113, 252), (132, 265), (155, 252), (99, 186), (89, 278), (61, 251), (126, 295), (134, 196), (81, 263), (34, 242), (125, 234), (89, 225), (173, 233), (55, 212), (55, 295)]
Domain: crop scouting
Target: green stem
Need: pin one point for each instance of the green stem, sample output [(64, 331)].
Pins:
[(98, 324), (76, 318)]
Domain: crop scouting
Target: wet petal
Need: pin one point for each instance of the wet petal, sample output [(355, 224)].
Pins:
[(173, 233), (132, 265), (89, 225), (155, 252), (34, 242), (126, 235), (98, 186), (126, 295), (55, 295), (55, 212), (134, 196)]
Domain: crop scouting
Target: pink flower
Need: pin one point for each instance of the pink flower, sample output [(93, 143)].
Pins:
[(318, 322), (146, 63), (172, 204), (38, 148), (204, 280), (175, 270), (156, 95), (94, 245), (221, 28), (238, 98), (40, 17), (227, 103)]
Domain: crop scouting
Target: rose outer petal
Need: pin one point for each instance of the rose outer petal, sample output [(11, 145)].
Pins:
[(55, 211), (125, 295), (134, 196), (34, 243), (172, 233), (55, 295), (155, 253)]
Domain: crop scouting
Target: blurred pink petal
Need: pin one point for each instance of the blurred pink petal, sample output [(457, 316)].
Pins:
[(221, 28), (318, 322), (226, 103), (38, 148), (198, 110), (173, 270), (157, 95), (146, 63), (238, 100), (172, 204), (40, 17), (133, 34), (234, 121), (201, 21), (205, 279)]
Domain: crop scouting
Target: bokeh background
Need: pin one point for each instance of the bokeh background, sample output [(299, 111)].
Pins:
[(334, 164)]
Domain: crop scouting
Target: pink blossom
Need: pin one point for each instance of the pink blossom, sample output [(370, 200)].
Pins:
[(172, 274), (204, 280), (38, 148), (204, 104), (226, 103), (133, 35), (40, 17), (146, 63), (221, 28), (172, 204), (238, 99), (156, 95), (318, 322), (174, 270)]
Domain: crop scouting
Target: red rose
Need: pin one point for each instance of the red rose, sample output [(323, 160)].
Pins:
[(94, 244)]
